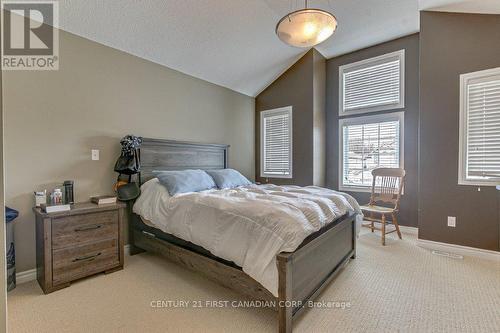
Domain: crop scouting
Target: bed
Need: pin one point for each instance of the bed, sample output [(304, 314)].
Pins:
[(301, 274)]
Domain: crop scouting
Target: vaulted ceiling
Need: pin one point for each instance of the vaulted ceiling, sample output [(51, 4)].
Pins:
[(232, 42)]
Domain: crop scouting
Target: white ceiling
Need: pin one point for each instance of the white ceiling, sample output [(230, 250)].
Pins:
[(232, 42)]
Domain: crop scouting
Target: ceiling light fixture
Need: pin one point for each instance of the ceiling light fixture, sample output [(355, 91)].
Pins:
[(306, 27)]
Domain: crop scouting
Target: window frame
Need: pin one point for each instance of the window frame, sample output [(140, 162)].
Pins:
[(263, 114), (400, 54), (463, 127), (370, 119)]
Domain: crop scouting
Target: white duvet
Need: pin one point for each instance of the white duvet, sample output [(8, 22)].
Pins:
[(248, 225)]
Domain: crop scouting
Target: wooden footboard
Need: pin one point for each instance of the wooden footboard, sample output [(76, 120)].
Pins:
[(228, 276), (305, 272), (302, 274)]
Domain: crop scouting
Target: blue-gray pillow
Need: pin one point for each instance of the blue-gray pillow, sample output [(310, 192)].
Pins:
[(228, 178), (183, 181)]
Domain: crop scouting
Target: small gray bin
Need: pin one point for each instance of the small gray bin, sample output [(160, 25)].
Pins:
[(10, 215)]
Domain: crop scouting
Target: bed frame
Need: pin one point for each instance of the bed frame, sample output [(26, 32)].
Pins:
[(303, 274)]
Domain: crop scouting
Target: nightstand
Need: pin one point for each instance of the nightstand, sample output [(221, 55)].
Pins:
[(84, 241)]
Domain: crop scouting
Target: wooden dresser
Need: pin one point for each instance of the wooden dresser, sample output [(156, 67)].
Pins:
[(78, 243)]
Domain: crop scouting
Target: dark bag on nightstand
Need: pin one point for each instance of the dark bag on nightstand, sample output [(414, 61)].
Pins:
[(129, 163), (128, 192)]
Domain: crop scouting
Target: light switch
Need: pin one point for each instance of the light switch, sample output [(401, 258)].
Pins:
[(95, 154)]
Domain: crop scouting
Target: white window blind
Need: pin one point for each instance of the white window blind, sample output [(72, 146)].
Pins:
[(368, 143), (276, 143), (480, 128), (373, 84)]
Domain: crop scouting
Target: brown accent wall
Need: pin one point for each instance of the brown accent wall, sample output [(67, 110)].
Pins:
[(301, 86), (409, 201), (319, 119), (453, 44)]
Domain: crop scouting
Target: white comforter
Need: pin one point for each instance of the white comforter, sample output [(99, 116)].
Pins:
[(248, 225)]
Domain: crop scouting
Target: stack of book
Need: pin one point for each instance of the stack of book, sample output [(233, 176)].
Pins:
[(54, 208), (103, 200)]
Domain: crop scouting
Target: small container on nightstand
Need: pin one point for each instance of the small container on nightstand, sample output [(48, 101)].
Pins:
[(74, 244)]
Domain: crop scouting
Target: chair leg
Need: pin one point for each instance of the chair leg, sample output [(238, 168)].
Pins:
[(372, 225), (383, 229), (395, 222)]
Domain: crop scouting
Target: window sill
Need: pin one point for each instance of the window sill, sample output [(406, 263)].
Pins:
[(376, 108), (479, 182), (362, 189), (343, 188), (276, 176)]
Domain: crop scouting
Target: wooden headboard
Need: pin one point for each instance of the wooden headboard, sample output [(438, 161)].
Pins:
[(158, 154)]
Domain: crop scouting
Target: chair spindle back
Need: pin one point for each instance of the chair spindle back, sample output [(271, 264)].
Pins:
[(387, 186)]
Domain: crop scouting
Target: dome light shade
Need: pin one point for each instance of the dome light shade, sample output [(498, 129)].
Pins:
[(306, 27)]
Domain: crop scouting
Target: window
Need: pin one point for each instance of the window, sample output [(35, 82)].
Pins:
[(276, 143), (367, 143), (479, 160), (373, 84)]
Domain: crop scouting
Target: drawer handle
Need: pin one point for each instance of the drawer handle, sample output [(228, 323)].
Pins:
[(94, 227), (87, 257)]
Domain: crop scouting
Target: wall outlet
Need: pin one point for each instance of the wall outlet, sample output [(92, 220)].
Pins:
[(452, 221), (95, 154)]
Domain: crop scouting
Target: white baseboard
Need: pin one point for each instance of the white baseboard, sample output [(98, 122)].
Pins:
[(30, 275), (404, 229), (408, 230), (459, 249), (26, 276)]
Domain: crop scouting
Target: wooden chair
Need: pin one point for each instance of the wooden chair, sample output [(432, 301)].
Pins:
[(386, 189)]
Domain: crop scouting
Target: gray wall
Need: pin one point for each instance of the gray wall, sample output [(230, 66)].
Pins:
[(408, 215), (453, 44), (54, 118)]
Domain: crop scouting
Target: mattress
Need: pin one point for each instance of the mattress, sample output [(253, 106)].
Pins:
[(246, 226)]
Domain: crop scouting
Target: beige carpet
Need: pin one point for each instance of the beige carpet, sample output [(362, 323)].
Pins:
[(399, 287)]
